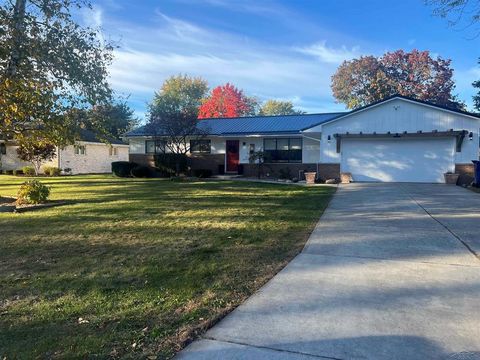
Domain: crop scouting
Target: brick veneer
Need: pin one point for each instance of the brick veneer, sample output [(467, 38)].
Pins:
[(142, 159), (325, 171), (328, 171), (197, 161), (466, 173), (207, 161)]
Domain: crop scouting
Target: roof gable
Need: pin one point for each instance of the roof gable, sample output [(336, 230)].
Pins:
[(403, 98)]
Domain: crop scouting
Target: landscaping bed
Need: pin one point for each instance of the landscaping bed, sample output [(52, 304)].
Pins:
[(136, 268)]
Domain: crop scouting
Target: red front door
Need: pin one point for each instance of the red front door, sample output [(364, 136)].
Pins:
[(233, 147)]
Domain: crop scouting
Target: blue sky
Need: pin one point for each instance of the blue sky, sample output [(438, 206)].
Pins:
[(270, 49)]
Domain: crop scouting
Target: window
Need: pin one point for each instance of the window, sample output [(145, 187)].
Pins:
[(283, 149), (80, 149), (155, 146), (3, 149), (200, 146), (113, 151)]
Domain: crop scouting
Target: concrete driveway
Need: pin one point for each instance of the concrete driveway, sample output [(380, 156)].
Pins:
[(390, 272)]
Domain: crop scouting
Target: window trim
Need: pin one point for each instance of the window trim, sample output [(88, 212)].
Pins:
[(200, 151), (77, 147), (289, 160)]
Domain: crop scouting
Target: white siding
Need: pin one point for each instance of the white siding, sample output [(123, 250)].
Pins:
[(310, 151), (398, 116)]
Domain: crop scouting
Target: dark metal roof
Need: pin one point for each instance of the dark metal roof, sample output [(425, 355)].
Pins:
[(254, 125)]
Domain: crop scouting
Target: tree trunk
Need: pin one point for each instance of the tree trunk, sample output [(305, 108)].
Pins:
[(18, 35), (177, 167)]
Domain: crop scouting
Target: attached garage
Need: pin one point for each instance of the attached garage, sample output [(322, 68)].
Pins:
[(398, 160), (399, 139)]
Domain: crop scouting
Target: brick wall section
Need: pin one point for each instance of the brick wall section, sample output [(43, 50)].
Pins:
[(97, 158), (466, 173), (325, 171), (207, 161), (142, 159), (328, 171)]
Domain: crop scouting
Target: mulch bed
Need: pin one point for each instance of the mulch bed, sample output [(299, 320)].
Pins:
[(7, 204)]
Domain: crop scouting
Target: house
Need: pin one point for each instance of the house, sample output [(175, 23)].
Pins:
[(88, 155), (398, 139)]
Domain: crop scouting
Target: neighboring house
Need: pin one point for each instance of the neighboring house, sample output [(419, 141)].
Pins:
[(397, 139), (87, 156)]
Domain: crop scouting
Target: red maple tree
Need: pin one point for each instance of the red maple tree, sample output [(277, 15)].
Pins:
[(226, 101)]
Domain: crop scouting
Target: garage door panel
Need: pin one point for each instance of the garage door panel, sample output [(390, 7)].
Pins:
[(398, 160)]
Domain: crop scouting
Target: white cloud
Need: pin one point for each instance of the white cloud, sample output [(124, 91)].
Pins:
[(149, 55), (327, 54)]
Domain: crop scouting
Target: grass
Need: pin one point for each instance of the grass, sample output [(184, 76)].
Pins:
[(136, 268)]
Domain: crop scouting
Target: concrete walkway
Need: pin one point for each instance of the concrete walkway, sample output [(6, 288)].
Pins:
[(390, 272)]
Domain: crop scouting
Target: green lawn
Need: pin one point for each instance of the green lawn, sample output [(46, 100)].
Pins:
[(145, 263)]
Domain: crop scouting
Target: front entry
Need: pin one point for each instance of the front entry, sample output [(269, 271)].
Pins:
[(233, 156)]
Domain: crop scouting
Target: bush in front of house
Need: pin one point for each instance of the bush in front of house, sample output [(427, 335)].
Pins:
[(46, 169), (167, 163), (202, 173), (123, 168), (18, 172), (141, 172), (54, 171), (32, 192), (67, 171), (28, 170)]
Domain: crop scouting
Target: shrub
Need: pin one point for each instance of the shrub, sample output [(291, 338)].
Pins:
[(141, 172), (46, 169), (29, 170), (123, 168), (67, 171), (167, 163), (32, 192), (202, 173), (8, 172), (17, 172), (54, 171)]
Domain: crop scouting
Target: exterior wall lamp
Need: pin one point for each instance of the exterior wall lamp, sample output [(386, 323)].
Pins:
[(329, 138), (470, 135)]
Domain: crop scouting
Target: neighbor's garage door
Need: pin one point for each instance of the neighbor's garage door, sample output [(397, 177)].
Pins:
[(402, 160)]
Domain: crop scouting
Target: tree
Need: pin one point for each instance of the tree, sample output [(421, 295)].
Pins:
[(48, 64), (277, 107), (115, 119), (227, 101), (173, 113), (360, 82), (36, 151), (456, 11)]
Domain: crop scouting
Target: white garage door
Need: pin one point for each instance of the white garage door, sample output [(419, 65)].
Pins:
[(398, 160)]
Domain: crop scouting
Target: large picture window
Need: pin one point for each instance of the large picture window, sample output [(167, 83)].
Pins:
[(155, 146), (200, 146), (283, 150)]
